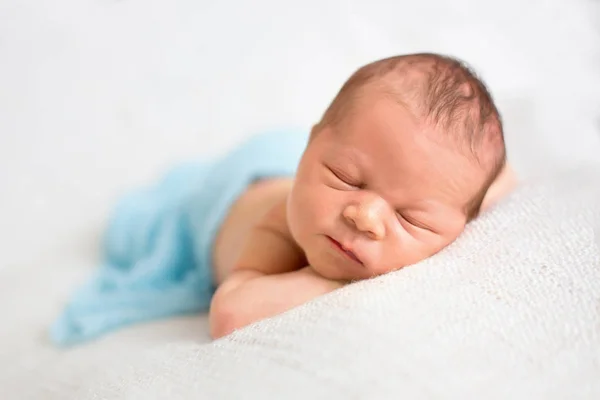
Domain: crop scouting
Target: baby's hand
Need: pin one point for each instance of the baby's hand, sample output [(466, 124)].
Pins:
[(502, 186), (248, 296)]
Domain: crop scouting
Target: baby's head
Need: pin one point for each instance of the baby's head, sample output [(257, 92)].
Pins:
[(396, 168)]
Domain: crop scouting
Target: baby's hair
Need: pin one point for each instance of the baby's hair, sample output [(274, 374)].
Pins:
[(447, 94)]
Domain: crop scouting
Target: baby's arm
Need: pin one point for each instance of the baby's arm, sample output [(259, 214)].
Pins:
[(504, 184), (249, 296), (270, 277)]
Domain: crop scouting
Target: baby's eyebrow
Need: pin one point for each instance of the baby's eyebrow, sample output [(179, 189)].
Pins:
[(432, 207), (349, 154), (351, 161)]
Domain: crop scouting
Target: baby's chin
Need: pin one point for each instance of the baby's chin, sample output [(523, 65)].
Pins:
[(338, 272)]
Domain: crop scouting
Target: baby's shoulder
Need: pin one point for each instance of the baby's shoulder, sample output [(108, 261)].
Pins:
[(270, 247), (270, 199), (275, 220)]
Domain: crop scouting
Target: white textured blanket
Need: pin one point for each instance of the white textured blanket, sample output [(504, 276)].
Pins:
[(511, 310), (84, 83)]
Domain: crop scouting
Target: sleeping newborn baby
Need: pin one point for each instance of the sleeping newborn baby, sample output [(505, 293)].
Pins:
[(410, 150)]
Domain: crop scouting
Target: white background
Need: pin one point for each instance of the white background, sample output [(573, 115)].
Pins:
[(100, 96)]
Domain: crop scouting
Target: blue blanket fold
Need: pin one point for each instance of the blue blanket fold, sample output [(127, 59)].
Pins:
[(157, 251)]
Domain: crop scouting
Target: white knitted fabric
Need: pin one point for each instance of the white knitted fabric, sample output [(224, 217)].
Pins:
[(511, 310), (85, 83)]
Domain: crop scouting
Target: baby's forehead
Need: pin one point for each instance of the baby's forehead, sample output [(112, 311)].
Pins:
[(378, 114), (456, 129), (403, 159), (414, 124)]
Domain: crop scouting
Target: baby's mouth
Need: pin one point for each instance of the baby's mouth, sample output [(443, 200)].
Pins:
[(344, 250)]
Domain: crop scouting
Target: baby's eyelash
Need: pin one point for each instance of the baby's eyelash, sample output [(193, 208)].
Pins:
[(344, 179), (413, 222)]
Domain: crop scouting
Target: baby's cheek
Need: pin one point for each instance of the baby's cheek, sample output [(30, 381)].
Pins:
[(435, 246), (403, 249), (304, 210), (321, 204), (312, 203), (296, 211), (452, 235)]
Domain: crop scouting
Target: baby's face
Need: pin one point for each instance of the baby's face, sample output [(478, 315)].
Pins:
[(375, 194)]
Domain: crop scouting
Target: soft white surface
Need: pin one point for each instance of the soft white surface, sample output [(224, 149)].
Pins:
[(509, 311), (97, 96)]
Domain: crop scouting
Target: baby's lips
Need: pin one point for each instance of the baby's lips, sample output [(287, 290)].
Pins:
[(352, 254)]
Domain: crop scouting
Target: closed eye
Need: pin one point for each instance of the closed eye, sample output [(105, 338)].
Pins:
[(344, 179), (414, 222)]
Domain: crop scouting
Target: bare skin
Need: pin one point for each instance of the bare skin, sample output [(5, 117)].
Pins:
[(288, 241), (263, 206), (268, 274), (267, 199), (250, 209)]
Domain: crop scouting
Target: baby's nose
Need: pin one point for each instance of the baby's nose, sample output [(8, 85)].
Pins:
[(366, 217)]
